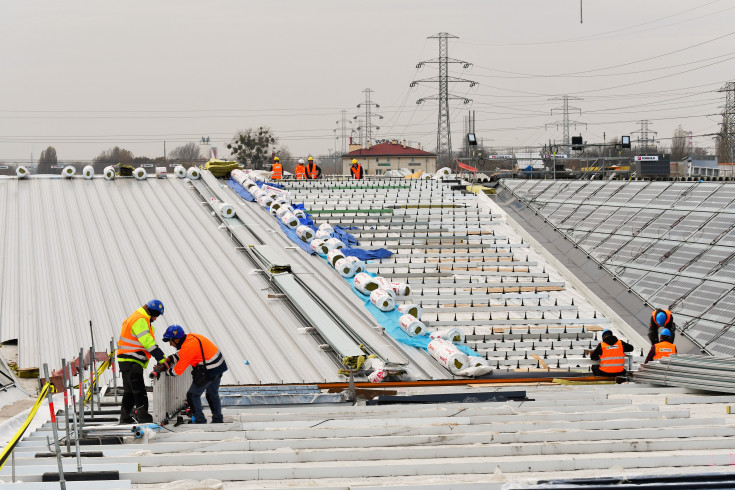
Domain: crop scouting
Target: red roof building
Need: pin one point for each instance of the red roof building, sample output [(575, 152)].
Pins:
[(389, 155)]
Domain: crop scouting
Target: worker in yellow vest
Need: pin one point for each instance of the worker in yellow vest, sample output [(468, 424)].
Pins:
[(134, 347), (356, 170), (300, 170), (661, 349), (611, 354), (276, 169)]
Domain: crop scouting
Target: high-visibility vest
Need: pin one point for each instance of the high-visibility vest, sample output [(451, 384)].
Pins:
[(129, 345), (612, 359), (300, 172), (312, 171), (190, 354), (277, 169), (356, 171), (664, 349), (668, 317)]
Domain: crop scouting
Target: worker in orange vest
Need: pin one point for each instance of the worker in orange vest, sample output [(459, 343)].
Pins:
[(276, 169), (611, 354), (201, 354), (661, 319), (300, 170), (356, 170), (312, 170), (661, 349), (134, 347)]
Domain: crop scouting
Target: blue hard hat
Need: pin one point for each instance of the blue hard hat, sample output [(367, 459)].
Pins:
[(661, 318), (173, 332), (665, 332), (155, 306)]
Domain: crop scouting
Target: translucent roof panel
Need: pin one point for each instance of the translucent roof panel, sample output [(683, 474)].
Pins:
[(649, 284), (723, 312), (605, 191), (653, 253), (634, 249), (574, 218), (616, 220), (629, 192), (715, 227), (661, 226), (599, 215), (687, 228), (561, 213), (680, 258), (703, 298), (647, 194), (674, 292), (718, 199), (643, 219), (591, 188), (708, 261), (609, 245), (698, 193)]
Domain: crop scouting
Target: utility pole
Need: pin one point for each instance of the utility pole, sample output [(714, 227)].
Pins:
[(342, 126), (368, 105), (728, 120), (644, 141), (443, 133), (565, 122)]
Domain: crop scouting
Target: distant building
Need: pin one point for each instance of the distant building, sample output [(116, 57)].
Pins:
[(389, 155), (698, 166)]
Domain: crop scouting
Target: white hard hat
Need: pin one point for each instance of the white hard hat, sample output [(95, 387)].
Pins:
[(301, 160)]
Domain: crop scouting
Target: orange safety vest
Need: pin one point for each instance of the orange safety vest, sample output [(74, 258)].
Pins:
[(356, 171), (128, 345), (277, 169), (190, 354), (612, 359), (668, 316), (311, 171), (300, 172), (664, 349)]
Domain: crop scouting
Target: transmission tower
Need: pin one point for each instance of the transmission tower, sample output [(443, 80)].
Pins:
[(443, 133), (367, 130), (644, 141), (565, 122), (342, 127), (728, 120)]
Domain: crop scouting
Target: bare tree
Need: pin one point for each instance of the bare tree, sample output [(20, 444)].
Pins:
[(187, 153), (253, 146), (115, 155), (48, 158), (679, 145)]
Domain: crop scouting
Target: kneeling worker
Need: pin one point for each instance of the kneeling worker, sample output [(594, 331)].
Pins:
[(196, 350), (661, 349), (611, 354)]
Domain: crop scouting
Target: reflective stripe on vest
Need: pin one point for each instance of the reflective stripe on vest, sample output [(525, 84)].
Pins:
[(311, 171), (612, 359), (277, 169), (300, 172), (664, 349), (128, 345), (356, 171)]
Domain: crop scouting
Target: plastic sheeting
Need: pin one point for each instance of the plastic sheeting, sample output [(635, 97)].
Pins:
[(378, 253)]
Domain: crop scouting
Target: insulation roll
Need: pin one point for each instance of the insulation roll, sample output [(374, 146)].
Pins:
[(365, 283), (265, 200), (88, 172), (377, 376), (326, 226), (344, 267), (333, 243), (443, 172), (448, 355), (193, 173), (283, 210), (453, 334), (251, 187), (317, 245), (258, 194), (382, 300), (401, 289), (290, 220), (411, 325), (179, 171), (161, 173), (476, 361), (68, 171), (386, 285), (239, 176), (21, 172), (278, 203), (299, 213), (410, 309), (324, 234), (140, 173), (359, 264), (109, 172), (305, 233), (334, 255), (226, 210)]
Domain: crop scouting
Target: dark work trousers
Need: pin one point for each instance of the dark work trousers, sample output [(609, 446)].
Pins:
[(134, 393), (599, 372), (194, 396)]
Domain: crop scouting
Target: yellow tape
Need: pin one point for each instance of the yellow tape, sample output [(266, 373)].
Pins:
[(11, 445)]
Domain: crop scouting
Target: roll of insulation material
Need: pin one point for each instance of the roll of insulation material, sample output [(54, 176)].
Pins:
[(88, 172), (290, 220), (193, 173), (179, 171), (277, 204), (21, 172), (410, 309), (365, 283), (333, 243), (239, 176), (386, 285), (453, 334), (326, 226), (377, 376), (226, 210), (251, 186), (344, 267), (140, 173), (475, 361), (305, 233), (334, 255), (443, 173), (401, 289), (265, 201), (299, 213), (109, 172), (359, 264), (448, 355), (324, 234), (382, 300), (317, 245), (283, 210), (411, 325), (68, 171)]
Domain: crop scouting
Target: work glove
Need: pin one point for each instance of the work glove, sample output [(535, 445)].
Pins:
[(154, 375), (162, 366)]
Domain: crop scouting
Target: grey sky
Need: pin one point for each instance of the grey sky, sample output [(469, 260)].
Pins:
[(86, 76)]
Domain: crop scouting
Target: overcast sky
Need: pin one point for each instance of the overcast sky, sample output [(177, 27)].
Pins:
[(84, 76)]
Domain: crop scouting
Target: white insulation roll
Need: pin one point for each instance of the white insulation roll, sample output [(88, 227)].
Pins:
[(401, 289), (365, 283), (109, 172), (386, 286), (333, 243), (324, 234), (443, 172), (239, 176), (334, 255), (359, 264), (180, 171), (448, 355), (305, 233), (317, 245), (453, 334), (411, 325), (140, 173), (193, 173), (265, 200), (476, 361), (226, 210), (21, 172), (291, 221), (88, 172), (299, 213), (326, 226), (344, 267), (68, 171), (377, 376), (382, 300), (410, 309)]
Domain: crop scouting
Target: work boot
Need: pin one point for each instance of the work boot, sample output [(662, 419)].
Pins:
[(141, 415), (125, 417)]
